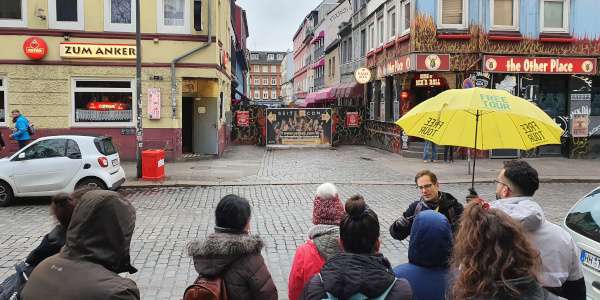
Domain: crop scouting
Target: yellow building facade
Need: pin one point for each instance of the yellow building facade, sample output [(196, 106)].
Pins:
[(84, 83)]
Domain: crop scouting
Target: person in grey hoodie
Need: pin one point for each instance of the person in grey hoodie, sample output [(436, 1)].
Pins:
[(322, 244), (561, 270)]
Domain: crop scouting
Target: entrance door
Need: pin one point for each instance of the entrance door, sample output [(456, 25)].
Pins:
[(205, 126)]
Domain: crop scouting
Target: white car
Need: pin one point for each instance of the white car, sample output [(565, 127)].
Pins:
[(56, 164), (583, 223)]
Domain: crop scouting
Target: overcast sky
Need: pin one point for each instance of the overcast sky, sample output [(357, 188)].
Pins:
[(272, 23)]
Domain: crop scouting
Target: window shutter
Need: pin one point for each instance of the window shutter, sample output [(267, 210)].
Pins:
[(452, 12)]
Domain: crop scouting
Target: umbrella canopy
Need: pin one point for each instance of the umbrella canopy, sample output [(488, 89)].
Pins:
[(482, 119)]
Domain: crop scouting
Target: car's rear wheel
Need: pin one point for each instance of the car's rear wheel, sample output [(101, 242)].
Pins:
[(6, 194), (91, 183)]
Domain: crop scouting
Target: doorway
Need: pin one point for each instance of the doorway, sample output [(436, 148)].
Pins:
[(187, 125), (205, 131)]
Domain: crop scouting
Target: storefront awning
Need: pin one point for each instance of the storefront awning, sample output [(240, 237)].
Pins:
[(325, 95), (319, 36), (320, 63), (353, 90)]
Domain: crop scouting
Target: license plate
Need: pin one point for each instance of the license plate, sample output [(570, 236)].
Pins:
[(115, 162), (590, 260)]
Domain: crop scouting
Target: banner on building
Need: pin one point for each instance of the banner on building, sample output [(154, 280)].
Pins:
[(97, 51), (296, 126), (539, 65)]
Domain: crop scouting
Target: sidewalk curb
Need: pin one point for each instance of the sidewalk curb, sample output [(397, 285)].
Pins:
[(133, 184)]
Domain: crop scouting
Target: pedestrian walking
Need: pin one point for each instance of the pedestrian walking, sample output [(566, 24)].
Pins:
[(431, 199), (449, 154), (360, 270), (95, 252), (429, 151), (516, 185), (494, 258), (429, 253), (21, 132), (322, 243), (230, 257)]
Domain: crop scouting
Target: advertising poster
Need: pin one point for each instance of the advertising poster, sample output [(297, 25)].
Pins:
[(296, 126), (243, 118), (154, 103), (352, 119)]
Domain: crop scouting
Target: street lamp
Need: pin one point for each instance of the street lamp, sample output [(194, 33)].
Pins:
[(139, 131)]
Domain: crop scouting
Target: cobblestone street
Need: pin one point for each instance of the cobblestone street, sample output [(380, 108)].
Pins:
[(168, 218)]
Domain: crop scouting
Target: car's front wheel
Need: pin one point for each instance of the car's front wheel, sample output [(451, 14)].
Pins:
[(91, 183), (6, 194)]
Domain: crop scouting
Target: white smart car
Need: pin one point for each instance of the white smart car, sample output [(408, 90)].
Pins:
[(55, 164), (583, 223)]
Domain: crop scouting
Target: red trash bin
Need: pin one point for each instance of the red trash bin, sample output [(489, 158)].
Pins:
[(153, 164)]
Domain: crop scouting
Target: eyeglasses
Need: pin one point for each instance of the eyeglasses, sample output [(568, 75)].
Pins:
[(502, 183), (424, 187)]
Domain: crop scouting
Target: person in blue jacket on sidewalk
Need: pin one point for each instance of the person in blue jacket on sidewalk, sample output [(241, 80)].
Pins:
[(21, 133), (429, 253)]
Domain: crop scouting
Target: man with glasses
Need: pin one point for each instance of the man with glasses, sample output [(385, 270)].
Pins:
[(431, 199), (561, 270)]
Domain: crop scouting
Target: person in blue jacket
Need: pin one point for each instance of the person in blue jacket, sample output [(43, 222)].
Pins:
[(21, 133), (429, 253)]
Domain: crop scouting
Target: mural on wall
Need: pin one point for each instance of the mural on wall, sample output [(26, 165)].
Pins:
[(249, 129), (345, 133)]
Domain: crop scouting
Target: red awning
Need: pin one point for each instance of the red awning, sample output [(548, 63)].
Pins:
[(320, 63), (319, 36), (353, 90)]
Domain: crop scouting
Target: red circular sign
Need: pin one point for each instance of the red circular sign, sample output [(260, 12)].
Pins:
[(35, 48)]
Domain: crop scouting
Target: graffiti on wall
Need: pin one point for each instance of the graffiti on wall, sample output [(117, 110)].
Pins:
[(251, 133), (387, 136), (349, 135)]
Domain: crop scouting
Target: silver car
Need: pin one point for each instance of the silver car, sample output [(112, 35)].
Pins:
[(583, 223)]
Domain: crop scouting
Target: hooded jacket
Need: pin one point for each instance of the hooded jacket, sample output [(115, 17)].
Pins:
[(528, 288), (447, 206), (311, 256), (236, 258), (429, 250), (49, 246), (559, 254), (21, 133), (96, 250), (347, 274)]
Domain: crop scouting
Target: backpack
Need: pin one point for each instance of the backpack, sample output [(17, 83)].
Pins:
[(31, 129), (360, 296), (206, 289)]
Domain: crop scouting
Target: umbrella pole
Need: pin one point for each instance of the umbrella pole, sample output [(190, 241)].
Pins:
[(475, 150)]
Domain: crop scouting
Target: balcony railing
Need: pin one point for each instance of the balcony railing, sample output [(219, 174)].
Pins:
[(351, 66), (319, 52), (319, 83)]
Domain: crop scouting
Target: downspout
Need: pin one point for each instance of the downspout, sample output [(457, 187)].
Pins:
[(177, 59)]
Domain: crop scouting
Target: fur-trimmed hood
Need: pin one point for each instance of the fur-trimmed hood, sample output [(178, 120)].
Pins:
[(219, 250)]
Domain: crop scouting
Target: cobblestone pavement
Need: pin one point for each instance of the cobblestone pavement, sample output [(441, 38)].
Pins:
[(168, 218)]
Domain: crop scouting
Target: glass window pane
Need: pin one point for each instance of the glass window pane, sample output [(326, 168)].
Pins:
[(553, 14), (452, 11), (103, 107), (503, 12), (120, 11), (10, 9), (47, 149), (72, 148), (2, 108), (173, 12), (585, 217), (407, 17), (66, 10)]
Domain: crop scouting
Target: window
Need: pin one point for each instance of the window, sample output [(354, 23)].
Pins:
[(256, 81), (265, 81), (2, 101), (106, 103), (333, 66), (363, 43), (273, 81), (452, 14), (371, 36), (273, 69), (265, 69), (173, 16), (344, 51), (256, 94), (270, 56), (73, 149), (505, 14), (279, 56), (554, 15), (257, 68), (265, 94), (120, 15), (47, 149), (584, 218), (13, 13), (254, 56), (273, 94), (392, 23), (380, 30), (349, 49), (65, 14), (405, 17)]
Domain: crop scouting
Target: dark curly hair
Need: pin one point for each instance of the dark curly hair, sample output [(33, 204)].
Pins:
[(522, 175), (489, 249)]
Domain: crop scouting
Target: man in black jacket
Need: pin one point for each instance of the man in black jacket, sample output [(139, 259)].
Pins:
[(431, 198)]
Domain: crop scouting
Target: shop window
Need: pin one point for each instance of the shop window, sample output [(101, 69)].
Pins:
[(554, 15), (13, 13), (119, 15), (405, 17), (452, 14), (2, 101), (103, 103), (173, 16), (66, 14), (552, 97), (505, 14)]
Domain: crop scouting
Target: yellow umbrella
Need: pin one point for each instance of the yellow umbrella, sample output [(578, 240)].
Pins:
[(482, 119)]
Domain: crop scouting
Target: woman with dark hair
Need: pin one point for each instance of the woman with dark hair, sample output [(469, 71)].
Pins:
[(233, 255), (360, 271), (494, 257)]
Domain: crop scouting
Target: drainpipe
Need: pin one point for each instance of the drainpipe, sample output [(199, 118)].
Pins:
[(177, 59)]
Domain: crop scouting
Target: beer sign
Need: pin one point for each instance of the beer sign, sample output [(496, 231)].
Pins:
[(97, 51)]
